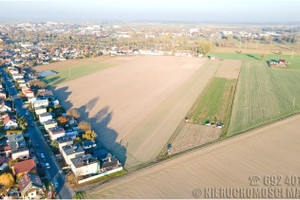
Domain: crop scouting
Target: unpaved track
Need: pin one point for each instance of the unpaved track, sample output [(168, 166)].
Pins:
[(272, 150)]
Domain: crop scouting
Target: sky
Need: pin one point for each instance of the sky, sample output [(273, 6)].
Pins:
[(219, 11)]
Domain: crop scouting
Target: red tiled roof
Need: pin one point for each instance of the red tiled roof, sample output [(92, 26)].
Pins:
[(24, 166), (28, 91), (7, 148), (7, 118)]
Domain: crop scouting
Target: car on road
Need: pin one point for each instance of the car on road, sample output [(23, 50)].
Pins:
[(47, 165), (55, 182), (43, 157)]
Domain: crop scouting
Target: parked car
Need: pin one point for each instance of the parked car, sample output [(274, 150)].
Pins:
[(43, 157), (47, 165), (55, 182)]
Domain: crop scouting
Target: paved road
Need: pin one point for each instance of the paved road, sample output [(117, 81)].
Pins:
[(64, 191)]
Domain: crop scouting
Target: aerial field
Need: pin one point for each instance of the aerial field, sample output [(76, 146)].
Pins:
[(135, 105), (294, 60), (194, 135), (72, 69), (74, 72), (264, 95), (213, 105), (231, 162)]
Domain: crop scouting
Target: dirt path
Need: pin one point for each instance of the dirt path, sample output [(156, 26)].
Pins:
[(272, 150)]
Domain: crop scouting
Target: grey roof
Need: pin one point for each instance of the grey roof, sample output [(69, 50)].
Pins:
[(29, 180), (39, 108), (20, 150), (83, 160), (16, 141), (64, 139), (88, 143), (57, 130), (109, 164), (72, 149), (45, 114), (51, 121)]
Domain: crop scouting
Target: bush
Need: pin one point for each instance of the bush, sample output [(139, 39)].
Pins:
[(85, 126), (79, 195)]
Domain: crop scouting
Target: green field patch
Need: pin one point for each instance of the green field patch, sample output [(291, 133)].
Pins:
[(293, 60), (215, 104), (74, 72), (264, 95)]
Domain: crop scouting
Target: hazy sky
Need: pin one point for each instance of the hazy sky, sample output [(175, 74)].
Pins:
[(263, 11)]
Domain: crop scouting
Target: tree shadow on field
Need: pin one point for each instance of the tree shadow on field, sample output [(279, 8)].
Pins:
[(252, 56), (106, 137)]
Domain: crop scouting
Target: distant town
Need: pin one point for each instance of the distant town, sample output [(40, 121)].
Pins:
[(32, 44)]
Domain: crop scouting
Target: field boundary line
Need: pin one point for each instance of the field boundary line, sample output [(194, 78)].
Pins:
[(181, 124)]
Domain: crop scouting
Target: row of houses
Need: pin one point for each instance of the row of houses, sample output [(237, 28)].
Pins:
[(153, 52), (29, 183), (85, 160)]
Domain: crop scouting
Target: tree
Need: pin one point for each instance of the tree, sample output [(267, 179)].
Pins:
[(89, 135), (204, 47), (73, 112), (54, 143), (78, 140), (7, 180), (37, 84), (262, 56), (62, 121), (79, 195), (3, 190), (12, 162), (54, 146), (85, 126)]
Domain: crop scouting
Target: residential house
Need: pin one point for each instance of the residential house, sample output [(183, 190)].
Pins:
[(64, 141), (84, 165), (44, 117), (39, 103), (21, 153), (9, 121), (40, 110), (17, 76), (20, 168), (31, 186), (56, 132), (23, 85), (183, 53), (72, 133), (50, 124), (71, 151), (45, 93), (13, 71), (28, 93), (110, 164), (2, 95), (88, 144), (5, 106), (17, 145)]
